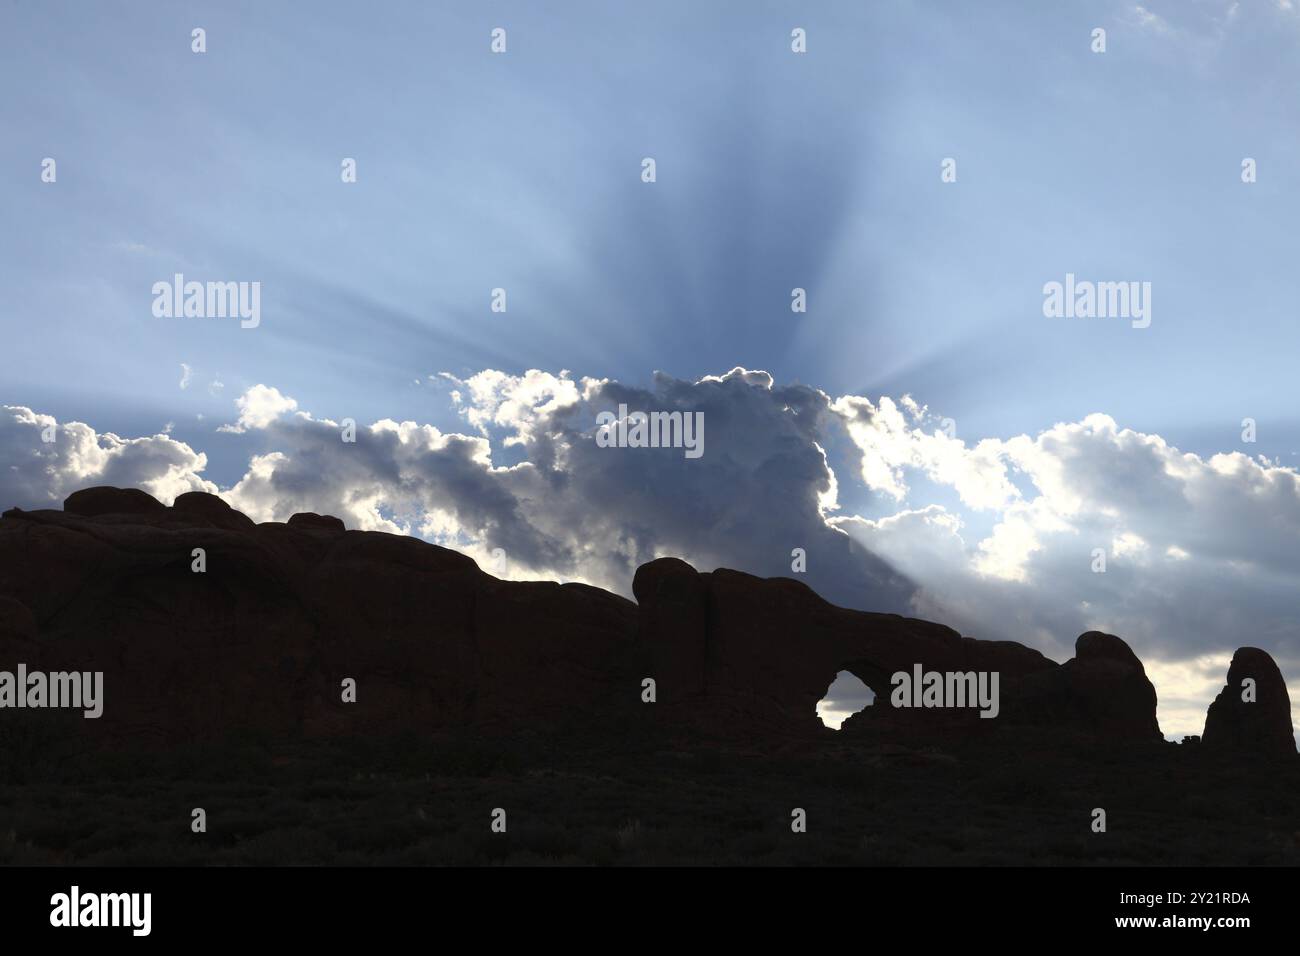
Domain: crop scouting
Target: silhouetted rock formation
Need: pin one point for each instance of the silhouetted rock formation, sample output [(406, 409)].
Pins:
[(311, 520), (285, 612), (213, 509), (1103, 690), (1261, 726), (264, 637), (90, 502), (747, 657)]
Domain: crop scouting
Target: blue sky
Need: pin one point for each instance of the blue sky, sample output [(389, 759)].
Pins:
[(774, 170), (521, 171)]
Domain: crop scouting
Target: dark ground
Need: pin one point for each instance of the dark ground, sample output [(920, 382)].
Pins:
[(422, 801)]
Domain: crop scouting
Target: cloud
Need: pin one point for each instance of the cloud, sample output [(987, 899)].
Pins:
[(895, 436), (572, 509), (186, 373), (1200, 553), (36, 473), (1145, 18), (259, 407), (846, 695)]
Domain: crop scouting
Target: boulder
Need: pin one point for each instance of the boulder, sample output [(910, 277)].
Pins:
[(310, 521)]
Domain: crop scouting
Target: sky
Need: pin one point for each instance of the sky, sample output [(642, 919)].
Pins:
[(933, 441)]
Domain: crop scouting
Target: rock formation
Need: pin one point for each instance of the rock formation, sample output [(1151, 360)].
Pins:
[(1103, 690), (283, 613), (746, 657), (1254, 720), (262, 639)]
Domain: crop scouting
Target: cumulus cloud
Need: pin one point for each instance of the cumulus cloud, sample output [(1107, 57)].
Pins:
[(572, 509), (43, 461), (1199, 552), (894, 437), (259, 407)]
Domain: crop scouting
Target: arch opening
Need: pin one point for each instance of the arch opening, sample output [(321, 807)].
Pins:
[(846, 696)]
